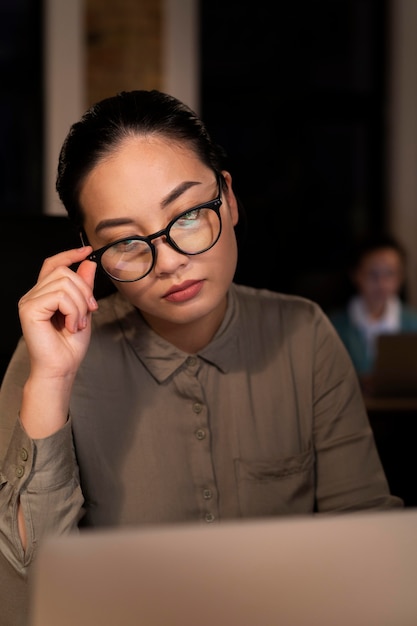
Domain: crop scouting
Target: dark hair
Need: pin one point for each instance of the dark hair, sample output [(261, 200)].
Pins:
[(375, 242), (106, 124), (367, 244)]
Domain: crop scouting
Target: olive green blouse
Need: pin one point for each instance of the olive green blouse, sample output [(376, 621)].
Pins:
[(266, 420)]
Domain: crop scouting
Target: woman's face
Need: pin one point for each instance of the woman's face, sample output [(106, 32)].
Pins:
[(137, 190), (379, 277)]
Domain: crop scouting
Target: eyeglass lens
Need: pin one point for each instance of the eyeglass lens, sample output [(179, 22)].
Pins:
[(193, 232)]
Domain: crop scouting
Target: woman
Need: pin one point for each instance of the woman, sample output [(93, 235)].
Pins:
[(377, 306), (182, 396)]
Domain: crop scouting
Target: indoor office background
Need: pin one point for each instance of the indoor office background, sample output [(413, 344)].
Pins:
[(306, 98), (314, 100)]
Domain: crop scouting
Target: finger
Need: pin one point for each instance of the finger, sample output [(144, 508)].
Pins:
[(62, 286), (62, 278), (67, 258), (87, 271), (59, 307), (83, 276)]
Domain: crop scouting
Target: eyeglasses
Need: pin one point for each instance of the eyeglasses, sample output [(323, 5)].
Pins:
[(192, 232)]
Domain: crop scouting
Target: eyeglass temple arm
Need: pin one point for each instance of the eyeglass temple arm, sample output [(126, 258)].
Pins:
[(84, 242)]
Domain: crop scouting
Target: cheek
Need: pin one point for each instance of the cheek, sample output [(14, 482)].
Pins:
[(393, 285), (134, 292)]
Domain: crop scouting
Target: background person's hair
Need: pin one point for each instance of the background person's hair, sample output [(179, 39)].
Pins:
[(374, 242)]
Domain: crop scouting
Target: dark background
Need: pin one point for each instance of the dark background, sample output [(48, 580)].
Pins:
[(297, 96), (295, 92), (21, 106)]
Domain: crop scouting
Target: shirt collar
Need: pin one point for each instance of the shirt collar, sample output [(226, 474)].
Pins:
[(389, 321), (161, 358)]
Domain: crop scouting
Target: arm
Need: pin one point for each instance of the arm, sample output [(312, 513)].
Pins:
[(39, 489), (350, 475)]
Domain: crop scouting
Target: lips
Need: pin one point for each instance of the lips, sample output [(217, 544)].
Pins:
[(186, 291)]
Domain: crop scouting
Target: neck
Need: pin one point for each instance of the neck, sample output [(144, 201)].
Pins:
[(189, 337), (376, 309), (376, 312)]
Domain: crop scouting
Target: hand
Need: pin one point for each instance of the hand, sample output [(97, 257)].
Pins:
[(55, 314)]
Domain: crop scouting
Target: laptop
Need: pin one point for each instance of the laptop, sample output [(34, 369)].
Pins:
[(355, 569), (395, 369)]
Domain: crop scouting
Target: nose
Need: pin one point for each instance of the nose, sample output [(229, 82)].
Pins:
[(167, 259)]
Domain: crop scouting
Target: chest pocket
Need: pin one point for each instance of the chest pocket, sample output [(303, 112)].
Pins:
[(276, 486)]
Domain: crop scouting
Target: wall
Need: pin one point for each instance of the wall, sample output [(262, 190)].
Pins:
[(96, 47), (123, 39), (77, 73), (402, 133)]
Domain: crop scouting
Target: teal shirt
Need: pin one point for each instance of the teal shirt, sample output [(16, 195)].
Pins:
[(354, 340)]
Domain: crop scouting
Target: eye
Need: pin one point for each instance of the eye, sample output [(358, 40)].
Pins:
[(127, 245), (189, 218), (128, 248)]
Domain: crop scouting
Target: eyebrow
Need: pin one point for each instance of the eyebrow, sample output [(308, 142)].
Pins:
[(166, 201)]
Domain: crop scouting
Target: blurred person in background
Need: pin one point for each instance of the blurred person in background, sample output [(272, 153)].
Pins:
[(378, 303)]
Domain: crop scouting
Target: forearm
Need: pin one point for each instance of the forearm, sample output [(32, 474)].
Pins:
[(45, 403)]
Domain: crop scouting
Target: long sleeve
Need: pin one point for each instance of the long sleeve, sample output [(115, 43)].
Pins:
[(40, 474), (350, 475)]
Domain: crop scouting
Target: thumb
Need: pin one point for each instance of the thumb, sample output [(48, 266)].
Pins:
[(87, 271)]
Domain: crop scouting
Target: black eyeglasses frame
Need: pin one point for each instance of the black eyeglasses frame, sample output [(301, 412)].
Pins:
[(214, 204)]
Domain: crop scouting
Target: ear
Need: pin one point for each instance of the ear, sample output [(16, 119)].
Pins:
[(231, 198)]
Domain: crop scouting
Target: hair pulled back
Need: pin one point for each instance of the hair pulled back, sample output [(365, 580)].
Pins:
[(108, 122)]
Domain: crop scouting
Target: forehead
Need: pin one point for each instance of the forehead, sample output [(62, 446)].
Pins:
[(383, 256), (383, 260), (148, 165), (148, 154), (138, 174)]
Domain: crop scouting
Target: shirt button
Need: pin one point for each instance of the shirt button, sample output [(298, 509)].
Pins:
[(207, 495), (210, 517), (197, 407), (200, 434), (24, 454), (191, 361), (19, 471)]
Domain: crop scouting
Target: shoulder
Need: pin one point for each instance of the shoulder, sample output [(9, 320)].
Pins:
[(409, 317), (253, 296), (284, 309), (288, 326)]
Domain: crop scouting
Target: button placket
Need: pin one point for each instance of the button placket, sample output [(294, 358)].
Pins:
[(200, 434), (191, 388)]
